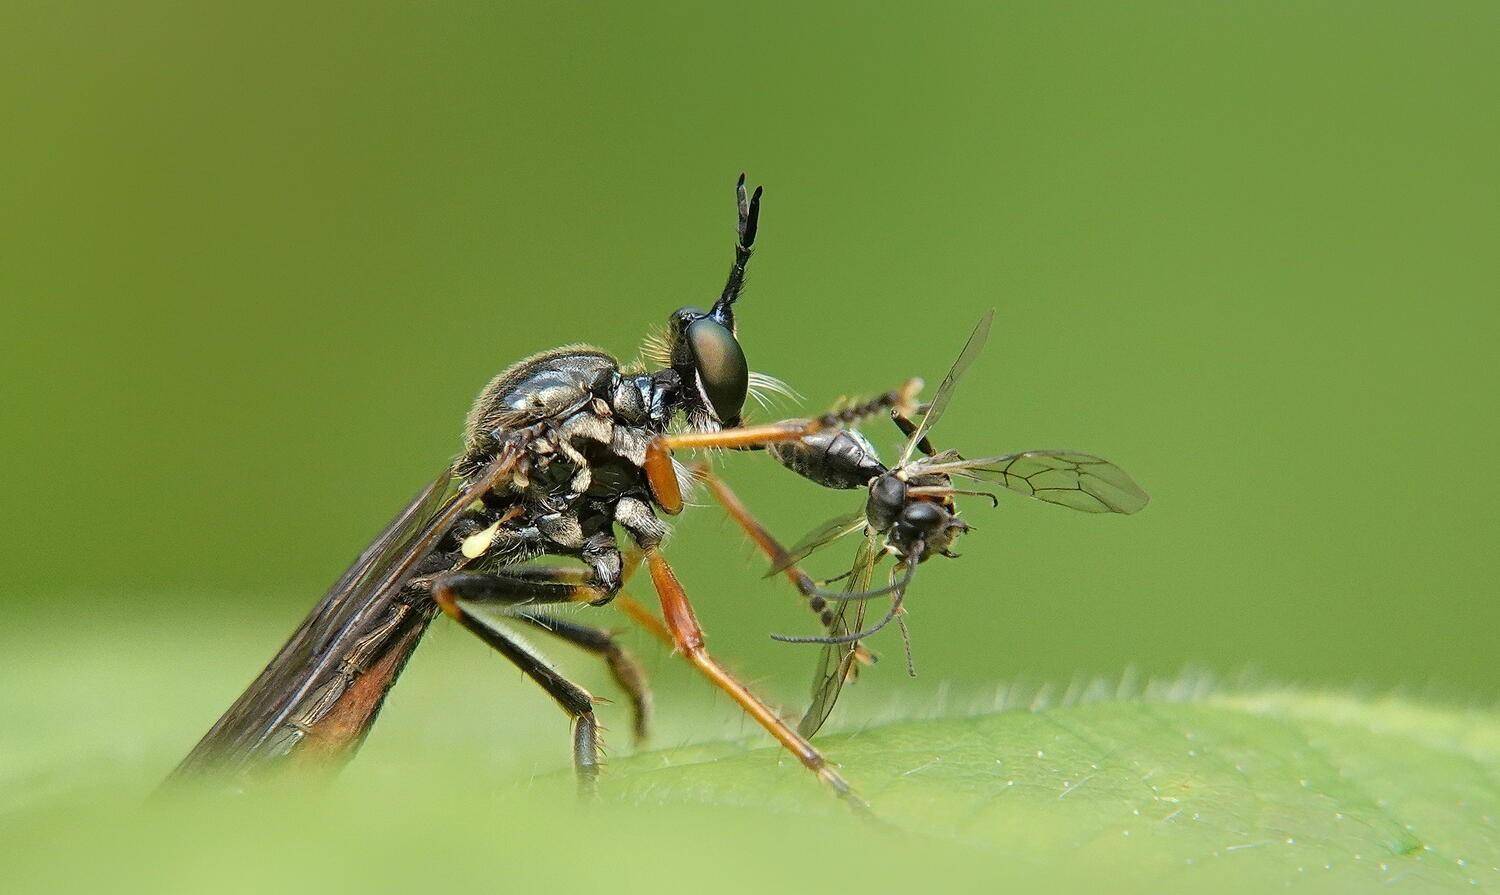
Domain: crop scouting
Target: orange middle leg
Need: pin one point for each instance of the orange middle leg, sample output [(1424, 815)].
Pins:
[(763, 539), (772, 548), (687, 638)]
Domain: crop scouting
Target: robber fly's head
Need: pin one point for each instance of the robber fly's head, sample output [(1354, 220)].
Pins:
[(708, 358), (915, 526)]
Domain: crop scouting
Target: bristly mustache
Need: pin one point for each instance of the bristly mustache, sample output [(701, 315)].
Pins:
[(767, 389)]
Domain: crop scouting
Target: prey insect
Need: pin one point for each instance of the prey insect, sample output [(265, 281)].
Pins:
[(561, 451), (910, 514)]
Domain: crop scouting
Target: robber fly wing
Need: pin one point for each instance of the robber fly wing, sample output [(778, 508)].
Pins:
[(821, 536), (944, 394), (837, 661), (237, 736), (1070, 479), (360, 599)]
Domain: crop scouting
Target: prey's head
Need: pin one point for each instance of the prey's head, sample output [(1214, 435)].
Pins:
[(916, 525), (925, 527)]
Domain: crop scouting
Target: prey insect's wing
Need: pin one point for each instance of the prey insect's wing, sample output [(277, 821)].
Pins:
[(824, 534), (359, 601), (944, 394), (837, 661), (1070, 479)]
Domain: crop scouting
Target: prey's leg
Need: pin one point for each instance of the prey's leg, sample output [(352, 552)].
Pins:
[(909, 428)]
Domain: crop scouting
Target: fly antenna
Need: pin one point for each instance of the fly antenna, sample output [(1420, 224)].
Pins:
[(744, 246)]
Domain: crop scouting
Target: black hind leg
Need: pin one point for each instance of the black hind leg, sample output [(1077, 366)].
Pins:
[(510, 589), (623, 667)]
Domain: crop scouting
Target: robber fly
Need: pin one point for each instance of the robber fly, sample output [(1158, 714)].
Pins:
[(560, 451), (909, 514)]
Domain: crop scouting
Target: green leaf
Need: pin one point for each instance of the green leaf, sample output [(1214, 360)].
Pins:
[(1253, 789)]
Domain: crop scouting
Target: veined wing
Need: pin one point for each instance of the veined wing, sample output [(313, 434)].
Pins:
[(944, 394), (836, 662), (1070, 479), (824, 534), (359, 601)]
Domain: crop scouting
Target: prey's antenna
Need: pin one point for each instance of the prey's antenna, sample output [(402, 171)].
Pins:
[(838, 596), (898, 587), (853, 636)]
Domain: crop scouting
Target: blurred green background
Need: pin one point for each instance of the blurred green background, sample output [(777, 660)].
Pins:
[(258, 260)]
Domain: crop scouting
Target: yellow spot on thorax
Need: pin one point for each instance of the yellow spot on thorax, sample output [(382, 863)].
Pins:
[(476, 544)]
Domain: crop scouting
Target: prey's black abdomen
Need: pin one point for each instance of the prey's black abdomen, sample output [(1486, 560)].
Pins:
[(834, 458)]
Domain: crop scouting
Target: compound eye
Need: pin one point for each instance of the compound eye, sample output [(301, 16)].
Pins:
[(721, 366)]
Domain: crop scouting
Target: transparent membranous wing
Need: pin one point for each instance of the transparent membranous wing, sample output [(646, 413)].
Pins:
[(824, 534), (944, 394), (838, 662), (246, 732), (255, 729), (1067, 478)]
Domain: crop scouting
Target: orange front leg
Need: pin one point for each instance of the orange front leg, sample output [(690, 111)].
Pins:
[(663, 478)]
